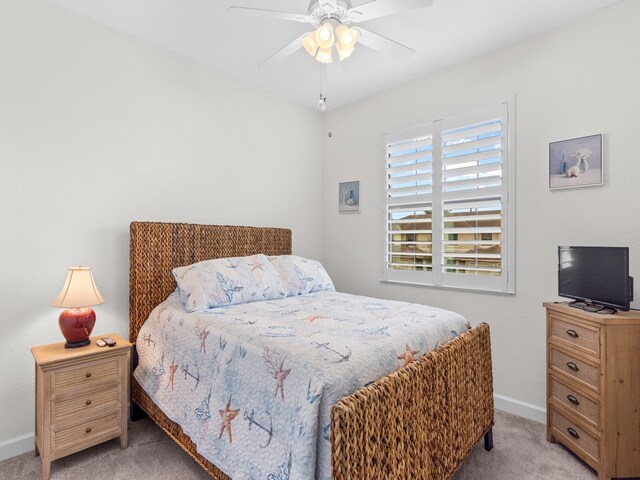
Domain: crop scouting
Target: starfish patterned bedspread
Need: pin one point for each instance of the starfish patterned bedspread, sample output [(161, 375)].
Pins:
[(253, 384)]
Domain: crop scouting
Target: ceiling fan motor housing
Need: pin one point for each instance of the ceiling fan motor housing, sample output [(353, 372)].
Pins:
[(321, 10)]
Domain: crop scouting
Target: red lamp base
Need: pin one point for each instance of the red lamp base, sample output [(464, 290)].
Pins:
[(76, 324)]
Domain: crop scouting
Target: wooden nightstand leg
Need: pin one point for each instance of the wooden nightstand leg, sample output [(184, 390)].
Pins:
[(124, 440), (46, 468)]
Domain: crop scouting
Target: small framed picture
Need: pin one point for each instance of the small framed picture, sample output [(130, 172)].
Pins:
[(349, 197), (576, 163)]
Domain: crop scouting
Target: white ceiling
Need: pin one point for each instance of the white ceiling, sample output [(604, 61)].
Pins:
[(448, 32)]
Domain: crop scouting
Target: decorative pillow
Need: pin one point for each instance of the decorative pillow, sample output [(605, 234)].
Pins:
[(301, 275), (227, 281)]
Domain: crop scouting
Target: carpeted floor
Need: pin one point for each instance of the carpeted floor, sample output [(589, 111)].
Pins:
[(520, 452)]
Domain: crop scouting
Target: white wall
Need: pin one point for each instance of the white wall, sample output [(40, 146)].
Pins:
[(576, 80), (98, 129)]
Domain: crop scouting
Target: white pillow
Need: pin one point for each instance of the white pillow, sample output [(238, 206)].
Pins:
[(301, 275), (227, 281)]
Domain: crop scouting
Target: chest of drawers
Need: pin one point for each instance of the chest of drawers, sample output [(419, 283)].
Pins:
[(81, 397), (593, 387)]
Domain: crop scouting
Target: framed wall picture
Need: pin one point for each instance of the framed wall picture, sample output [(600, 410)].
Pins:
[(576, 163), (349, 197)]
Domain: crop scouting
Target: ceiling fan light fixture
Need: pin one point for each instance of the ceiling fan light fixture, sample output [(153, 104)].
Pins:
[(343, 52), (324, 35), (347, 37), (324, 55), (309, 43)]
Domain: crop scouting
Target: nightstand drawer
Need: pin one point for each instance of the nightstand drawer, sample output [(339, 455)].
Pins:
[(85, 404), (576, 436), (86, 434), (581, 405), (88, 375), (578, 369), (587, 338)]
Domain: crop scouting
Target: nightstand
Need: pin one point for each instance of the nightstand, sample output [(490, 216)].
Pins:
[(82, 397)]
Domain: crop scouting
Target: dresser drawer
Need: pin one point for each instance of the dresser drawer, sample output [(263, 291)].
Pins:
[(576, 436), (578, 369), (581, 405), (89, 375), (85, 404), (587, 338), (86, 434)]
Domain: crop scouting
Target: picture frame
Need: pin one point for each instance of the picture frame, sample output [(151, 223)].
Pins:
[(577, 162), (349, 197)]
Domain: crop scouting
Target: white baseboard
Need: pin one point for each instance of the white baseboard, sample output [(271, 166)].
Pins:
[(17, 446), (522, 409)]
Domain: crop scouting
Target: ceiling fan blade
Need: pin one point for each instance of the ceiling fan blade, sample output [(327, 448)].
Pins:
[(328, 6), (383, 44), (383, 8), (284, 53), (258, 12)]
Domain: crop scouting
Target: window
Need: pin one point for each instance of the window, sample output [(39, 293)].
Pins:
[(448, 196)]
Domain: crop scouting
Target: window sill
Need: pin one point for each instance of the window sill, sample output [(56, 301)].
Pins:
[(442, 287)]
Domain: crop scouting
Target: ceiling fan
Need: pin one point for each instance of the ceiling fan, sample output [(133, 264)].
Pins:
[(332, 21)]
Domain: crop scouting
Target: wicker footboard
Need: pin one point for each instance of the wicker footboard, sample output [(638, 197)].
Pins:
[(421, 421), (417, 423)]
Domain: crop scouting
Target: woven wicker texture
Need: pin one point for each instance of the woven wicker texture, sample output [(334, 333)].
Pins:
[(586, 407), (155, 249), (417, 423), (584, 440), (586, 372), (421, 421), (587, 338)]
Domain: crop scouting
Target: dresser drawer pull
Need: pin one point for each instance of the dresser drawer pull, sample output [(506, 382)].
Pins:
[(572, 333), (88, 430), (88, 402), (573, 399), (573, 366), (88, 374), (573, 433)]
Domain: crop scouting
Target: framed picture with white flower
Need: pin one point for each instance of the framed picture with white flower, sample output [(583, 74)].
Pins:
[(577, 162)]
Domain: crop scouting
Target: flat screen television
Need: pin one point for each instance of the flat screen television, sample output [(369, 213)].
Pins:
[(597, 276)]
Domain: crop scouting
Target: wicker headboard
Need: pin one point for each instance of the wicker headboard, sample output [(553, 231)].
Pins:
[(155, 249)]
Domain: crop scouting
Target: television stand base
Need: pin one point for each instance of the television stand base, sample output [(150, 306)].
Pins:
[(592, 307)]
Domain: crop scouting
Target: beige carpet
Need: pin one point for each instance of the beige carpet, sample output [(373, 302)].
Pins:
[(520, 453)]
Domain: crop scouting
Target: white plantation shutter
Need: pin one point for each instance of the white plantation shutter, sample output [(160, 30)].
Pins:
[(408, 201), (448, 221)]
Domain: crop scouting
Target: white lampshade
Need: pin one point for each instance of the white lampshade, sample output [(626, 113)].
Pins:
[(324, 55), (343, 52), (346, 37), (324, 35), (79, 290), (309, 43)]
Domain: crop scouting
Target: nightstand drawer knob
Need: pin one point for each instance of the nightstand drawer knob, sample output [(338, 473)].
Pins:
[(88, 374), (573, 366), (88, 430), (572, 333), (573, 399), (573, 433), (88, 402)]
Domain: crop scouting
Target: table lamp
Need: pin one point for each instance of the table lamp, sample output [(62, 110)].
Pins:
[(77, 296)]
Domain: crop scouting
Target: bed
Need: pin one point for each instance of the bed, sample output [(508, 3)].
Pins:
[(417, 422)]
